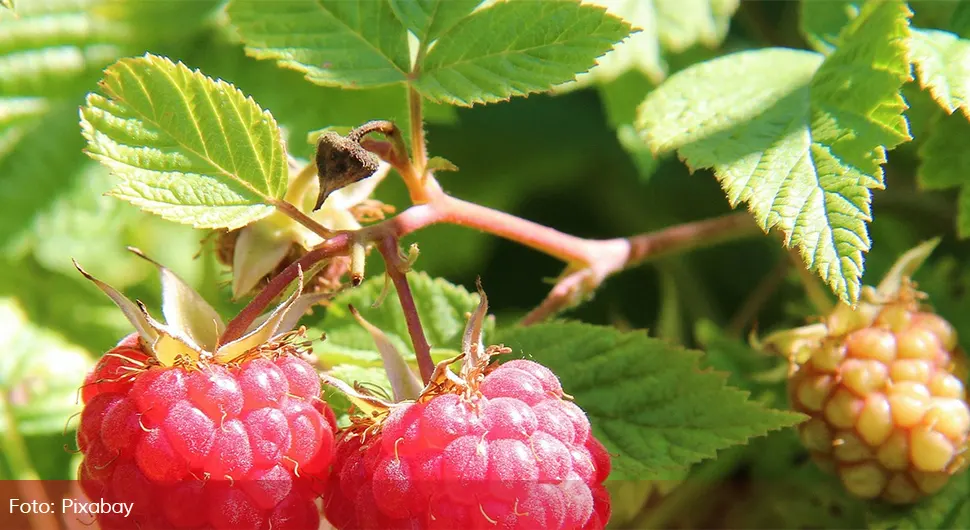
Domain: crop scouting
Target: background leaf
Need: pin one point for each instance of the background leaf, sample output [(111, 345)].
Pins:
[(637, 64), (681, 24), (821, 21), (946, 163), (648, 401), (40, 374), (442, 307), (187, 147), (662, 27), (347, 43), (516, 48), (943, 65), (784, 148), (640, 51)]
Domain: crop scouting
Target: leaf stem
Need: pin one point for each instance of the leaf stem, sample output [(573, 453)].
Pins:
[(566, 247), (294, 213), (589, 261), (395, 153), (396, 269), (578, 284), (690, 236), (419, 148)]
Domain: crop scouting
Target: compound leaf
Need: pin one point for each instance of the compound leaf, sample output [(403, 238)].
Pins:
[(429, 18), (298, 106), (649, 402), (799, 137), (516, 48), (442, 307), (943, 66), (945, 163), (347, 43), (188, 148)]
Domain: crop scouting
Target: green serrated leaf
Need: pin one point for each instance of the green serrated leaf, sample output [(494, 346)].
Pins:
[(943, 66), (40, 374), (299, 106), (803, 149), (347, 43), (188, 148), (515, 49), (821, 21), (950, 508), (648, 401), (429, 18), (442, 307), (945, 163)]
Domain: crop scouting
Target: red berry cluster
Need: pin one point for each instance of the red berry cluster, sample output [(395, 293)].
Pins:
[(211, 446), (515, 455)]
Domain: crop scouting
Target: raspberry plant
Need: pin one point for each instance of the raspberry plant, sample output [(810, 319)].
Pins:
[(349, 184)]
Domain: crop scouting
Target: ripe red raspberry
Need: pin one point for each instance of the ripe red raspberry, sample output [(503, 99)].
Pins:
[(505, 450), (888, 414), (206, 446), (192, 428)]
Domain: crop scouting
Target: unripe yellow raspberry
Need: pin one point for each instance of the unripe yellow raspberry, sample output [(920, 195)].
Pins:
[(888, 411)]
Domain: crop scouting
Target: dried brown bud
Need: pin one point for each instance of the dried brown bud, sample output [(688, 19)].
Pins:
[(341, 161)]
